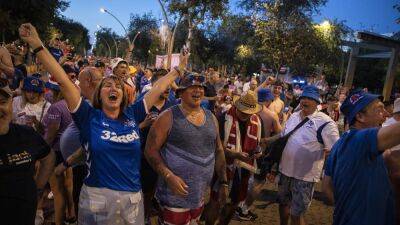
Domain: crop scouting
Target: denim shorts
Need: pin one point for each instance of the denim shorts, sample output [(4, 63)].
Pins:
[(102, 206), (296, 193)]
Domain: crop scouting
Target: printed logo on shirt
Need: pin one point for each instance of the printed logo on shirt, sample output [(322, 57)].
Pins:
[(18, 159), (129, 123), (106, 124), (112, 136), (310, 124)]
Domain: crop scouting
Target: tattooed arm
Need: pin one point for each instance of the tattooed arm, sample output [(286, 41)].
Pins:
[(155, 140)]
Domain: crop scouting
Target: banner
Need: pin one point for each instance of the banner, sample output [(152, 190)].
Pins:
[(162, 60)]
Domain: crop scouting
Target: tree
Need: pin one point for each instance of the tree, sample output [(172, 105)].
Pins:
[(75, 32), (106, 41), (147, 41), (290, 38), (41, 13), (196, 12)]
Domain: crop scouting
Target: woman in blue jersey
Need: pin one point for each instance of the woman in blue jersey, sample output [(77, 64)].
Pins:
[(109, 131)]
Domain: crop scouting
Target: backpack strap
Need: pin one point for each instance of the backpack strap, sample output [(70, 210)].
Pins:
[(319, 132)]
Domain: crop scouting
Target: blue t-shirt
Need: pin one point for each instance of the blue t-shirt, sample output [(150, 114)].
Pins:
[(113, 146), (362, 190)]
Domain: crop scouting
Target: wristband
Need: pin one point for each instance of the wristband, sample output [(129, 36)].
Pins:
[(180, 73), (38, 49)]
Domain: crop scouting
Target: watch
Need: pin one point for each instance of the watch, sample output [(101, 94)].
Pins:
[(38, 49)]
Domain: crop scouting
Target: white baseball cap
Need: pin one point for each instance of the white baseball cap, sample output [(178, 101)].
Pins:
[(116, 61)]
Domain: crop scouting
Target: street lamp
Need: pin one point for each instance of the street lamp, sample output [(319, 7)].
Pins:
[(103, 10), (109, 48)]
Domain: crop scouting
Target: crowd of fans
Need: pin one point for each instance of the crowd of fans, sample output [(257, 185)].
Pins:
[(115, 143)]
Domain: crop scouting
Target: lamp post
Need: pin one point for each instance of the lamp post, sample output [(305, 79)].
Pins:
[(109, 48), (115, 42), (103, 10)]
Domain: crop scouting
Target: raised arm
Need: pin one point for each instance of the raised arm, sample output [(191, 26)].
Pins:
[(28, 33), (6, 64), (163, 83), (388, 137)]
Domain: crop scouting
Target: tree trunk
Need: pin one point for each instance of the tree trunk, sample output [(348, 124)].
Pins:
[(171, 44)]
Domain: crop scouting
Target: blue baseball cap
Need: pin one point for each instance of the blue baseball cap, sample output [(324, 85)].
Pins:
[(310, 91), (33, 84), (355, 102), (265, 94), (52, 84)]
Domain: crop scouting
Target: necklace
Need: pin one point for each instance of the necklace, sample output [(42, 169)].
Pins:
[(191, 115)]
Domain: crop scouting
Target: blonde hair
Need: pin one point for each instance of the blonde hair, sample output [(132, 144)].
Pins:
[(97, 103)]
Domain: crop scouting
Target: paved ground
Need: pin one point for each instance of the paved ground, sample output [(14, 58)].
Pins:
[(267, 209)]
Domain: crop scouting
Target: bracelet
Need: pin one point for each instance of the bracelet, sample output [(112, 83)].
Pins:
[(66, 164), (38, 49)]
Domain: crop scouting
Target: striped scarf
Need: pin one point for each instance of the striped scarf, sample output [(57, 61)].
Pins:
[(232, 139)]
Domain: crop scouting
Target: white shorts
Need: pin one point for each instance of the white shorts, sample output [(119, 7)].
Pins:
[(102, 206)]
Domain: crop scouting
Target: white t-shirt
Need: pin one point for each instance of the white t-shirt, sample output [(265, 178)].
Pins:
[(20, 111), (303, 156), (246, 87), (389, 122)]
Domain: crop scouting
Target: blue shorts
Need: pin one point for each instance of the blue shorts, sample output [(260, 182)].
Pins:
[(296, 193)]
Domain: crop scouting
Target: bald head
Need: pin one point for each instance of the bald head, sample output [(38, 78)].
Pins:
[(88, 80)]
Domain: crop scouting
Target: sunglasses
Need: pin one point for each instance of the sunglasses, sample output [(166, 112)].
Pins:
[(197, 79)]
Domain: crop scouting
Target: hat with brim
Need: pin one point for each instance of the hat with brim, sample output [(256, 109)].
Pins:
[(248, 103), (192, 80), (116, 61), (52, 84), (356, 102), (264, 95), (33, 84), (310, 91)]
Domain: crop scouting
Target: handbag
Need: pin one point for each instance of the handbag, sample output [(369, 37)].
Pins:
[(273, 153)]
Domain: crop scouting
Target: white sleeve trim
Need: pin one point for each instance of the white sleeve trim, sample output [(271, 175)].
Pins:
[(77, 106)]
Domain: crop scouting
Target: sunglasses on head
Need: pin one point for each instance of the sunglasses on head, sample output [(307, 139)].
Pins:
[(196, 78)]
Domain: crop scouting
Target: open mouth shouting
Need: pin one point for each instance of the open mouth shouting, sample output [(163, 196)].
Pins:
[(113, 97)]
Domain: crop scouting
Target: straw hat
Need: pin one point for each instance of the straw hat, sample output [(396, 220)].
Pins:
[(248, 103)]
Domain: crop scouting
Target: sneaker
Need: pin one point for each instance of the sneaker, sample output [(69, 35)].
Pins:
[(249, 216), (39, 219), (71, 221)]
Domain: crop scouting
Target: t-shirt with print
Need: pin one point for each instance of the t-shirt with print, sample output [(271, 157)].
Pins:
[(58, 114), (303, 156), (113, 146), (20, 148), (361, 186), (21, 111)]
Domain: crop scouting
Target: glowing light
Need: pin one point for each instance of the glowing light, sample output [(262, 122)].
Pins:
[(103, 10)]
